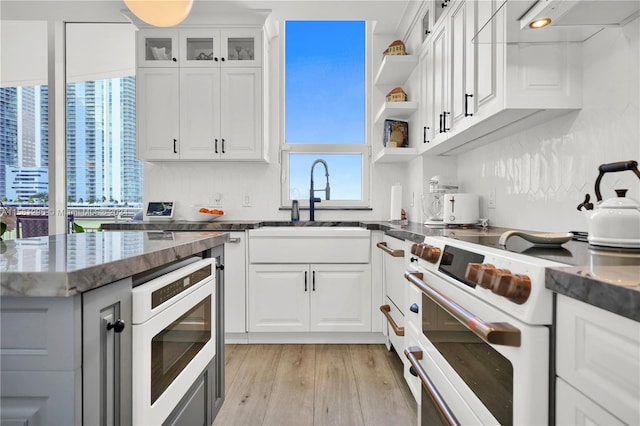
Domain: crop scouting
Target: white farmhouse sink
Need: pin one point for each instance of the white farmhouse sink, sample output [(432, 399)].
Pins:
[(310, 231), (309, 244)]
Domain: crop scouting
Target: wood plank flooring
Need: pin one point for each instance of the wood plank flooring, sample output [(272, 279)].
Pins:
[(301, 385)]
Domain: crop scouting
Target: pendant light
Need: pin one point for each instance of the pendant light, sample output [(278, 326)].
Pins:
[(160, 13)]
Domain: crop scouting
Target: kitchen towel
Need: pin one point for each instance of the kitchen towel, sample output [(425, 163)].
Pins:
[(396, 202)]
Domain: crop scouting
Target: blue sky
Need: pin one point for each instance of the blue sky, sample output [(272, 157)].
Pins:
[(325, 102)]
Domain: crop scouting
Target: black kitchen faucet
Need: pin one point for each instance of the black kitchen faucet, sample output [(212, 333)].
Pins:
[(312, 198)]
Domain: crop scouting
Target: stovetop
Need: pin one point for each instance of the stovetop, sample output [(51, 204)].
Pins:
[(573, 253)]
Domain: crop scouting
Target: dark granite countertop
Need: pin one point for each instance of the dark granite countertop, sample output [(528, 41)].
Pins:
[(64, 265), (609, 279)]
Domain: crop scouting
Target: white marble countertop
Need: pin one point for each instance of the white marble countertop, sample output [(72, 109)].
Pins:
[(64, 265)]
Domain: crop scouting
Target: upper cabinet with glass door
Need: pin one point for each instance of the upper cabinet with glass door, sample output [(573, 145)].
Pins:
[(207, 48)]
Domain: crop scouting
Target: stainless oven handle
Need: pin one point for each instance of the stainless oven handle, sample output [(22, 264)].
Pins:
[(498, 333), (413, 354), (399, 331), (395, 253)]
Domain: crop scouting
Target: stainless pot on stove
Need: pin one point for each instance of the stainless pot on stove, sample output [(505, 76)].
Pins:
[(614, 222)]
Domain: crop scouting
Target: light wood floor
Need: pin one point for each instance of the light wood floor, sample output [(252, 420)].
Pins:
[(315, 385)]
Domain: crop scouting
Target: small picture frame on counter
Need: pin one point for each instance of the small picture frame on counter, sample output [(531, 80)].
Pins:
[(396, 134)]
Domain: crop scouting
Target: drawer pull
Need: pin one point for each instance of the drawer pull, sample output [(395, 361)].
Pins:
[(395, 253), (414, 354), (399, 331)]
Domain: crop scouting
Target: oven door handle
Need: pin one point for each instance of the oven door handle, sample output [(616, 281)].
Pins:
[(495, 333), (395, 253), (399, 331), (413, 354)]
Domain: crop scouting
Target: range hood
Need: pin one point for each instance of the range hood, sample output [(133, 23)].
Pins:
[(571, 20)]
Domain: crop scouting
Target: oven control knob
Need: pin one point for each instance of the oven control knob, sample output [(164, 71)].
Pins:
[(514, 287), (431, 254), (414, 308), (488, 276), (474, 269)]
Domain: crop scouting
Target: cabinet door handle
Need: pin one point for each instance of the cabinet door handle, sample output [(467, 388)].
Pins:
[(220, 267), (424, 134), (385, 309), (117, 326), (413, 259), (313, 281), (215, 59), (444, 121), (175, 148), (223, 146), (466, 105), (216, 146), (444, 4), (441, 116), (305, 280), (222, 59), (174, 59), (414, 308)]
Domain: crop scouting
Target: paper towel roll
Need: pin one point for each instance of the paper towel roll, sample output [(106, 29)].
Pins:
[(396, 202)]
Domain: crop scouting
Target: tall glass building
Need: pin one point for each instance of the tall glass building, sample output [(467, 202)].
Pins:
[(101, 138)]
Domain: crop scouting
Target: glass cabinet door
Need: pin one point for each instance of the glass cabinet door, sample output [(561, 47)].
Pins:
[(242, 48), (158, 48), (200, 48)]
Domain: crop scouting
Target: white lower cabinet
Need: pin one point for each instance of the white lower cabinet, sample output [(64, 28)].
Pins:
[(597, 364), (309, 297), (235, 291)]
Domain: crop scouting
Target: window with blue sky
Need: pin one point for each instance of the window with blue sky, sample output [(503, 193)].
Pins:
[(325, 109)]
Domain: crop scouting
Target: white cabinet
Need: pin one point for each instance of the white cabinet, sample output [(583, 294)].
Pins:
[(199, 48), (315, 297), (481, 88), (598, 356), (235, 291), (206, 105)]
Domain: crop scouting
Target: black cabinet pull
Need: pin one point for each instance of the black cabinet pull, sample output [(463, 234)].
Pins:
[(117, 326), (413, 371), (413, 259), (444, 4), (222, 59), (220, 267), (313, 281), (414, 308), (216, 146), (175, 149), (424, 134), (444, 121), (305, 280), (223, 146), (215, 59), (174, 59), (466, 105)]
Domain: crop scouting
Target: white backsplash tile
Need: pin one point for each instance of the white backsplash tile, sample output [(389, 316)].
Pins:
[(541, 174)]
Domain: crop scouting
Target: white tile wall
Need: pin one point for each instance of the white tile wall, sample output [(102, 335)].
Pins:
[(541, 174)]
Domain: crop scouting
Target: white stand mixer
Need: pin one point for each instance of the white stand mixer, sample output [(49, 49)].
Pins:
[(434, 211)]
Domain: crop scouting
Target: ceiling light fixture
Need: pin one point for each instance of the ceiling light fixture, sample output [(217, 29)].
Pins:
[(539, 23), (160, 13)]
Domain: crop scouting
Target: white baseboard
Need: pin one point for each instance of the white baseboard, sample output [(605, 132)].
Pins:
[(305, 338)]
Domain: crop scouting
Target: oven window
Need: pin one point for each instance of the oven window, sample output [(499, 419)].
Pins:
[(175, 346), (483, 369)]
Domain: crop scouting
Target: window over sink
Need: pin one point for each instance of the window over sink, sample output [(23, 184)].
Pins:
[(325, 113)]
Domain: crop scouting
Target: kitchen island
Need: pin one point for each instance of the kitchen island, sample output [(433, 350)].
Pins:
[(66, 317)]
